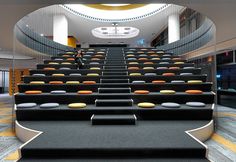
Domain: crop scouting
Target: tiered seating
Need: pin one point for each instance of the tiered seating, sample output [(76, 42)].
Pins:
[(117, 87)]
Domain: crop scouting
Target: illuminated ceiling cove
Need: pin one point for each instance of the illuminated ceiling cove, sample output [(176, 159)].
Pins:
[(115, 12)]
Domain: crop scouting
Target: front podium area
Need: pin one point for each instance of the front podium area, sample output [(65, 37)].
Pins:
[(122, 104)]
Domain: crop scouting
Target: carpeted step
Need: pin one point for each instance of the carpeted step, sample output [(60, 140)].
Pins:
[(114, 81), (113, 119), (114, 102), (114, 67), (115, 73), (114, 90), (108, 62)]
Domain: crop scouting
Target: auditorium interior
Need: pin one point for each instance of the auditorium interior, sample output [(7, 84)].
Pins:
[(118, 81)]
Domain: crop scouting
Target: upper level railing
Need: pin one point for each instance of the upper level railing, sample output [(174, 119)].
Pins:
[(193, 41), (35, 41)]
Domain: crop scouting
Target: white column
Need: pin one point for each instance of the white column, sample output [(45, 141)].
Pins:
[(173, 28), (60, 29)]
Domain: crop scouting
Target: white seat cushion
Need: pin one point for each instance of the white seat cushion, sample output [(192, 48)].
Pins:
[(195, 104), (26, 105), (170, 105), (49, 105)]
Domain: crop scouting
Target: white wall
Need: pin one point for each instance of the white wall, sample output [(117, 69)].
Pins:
[(60, 29)]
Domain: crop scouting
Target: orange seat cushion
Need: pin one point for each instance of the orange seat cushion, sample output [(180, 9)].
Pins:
[(33, 92), (133, 68), (49, 68), (89, 82), (168, 74), (148, 63), (158, 82), (70, 59), (55, 82), (65, 55), (141, 92), (154, 55), (174, 68), (85, 92), (193, 92)]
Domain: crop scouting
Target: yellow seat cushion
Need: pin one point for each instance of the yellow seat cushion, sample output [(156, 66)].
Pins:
[(146, 105), (65, 55), (33, 92), (133, 63), (167, 92), (58, 75), (37, 82), (92, 74), (195, 82), (94, 68), (168, 74), (49, 68), (77, 105), (140, 52), (178, 63), (174, 68), (150, 52), (70, 53), (158, 82), (100, 52), (65, 63), (148, 68), (141, 92), (72, 82), (146, 63), (135, 74), (156, 58), (133, 68), (98, 56), (193, 92), (53, 63), (85, 92), (89, 82), (55, 82), (130, 55)]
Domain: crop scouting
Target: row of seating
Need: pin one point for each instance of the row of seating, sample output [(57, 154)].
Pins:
[(135, 82), (135, 92), (83, 105)]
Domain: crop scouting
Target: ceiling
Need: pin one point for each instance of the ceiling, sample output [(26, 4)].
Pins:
[(221, 12), (81, 28)]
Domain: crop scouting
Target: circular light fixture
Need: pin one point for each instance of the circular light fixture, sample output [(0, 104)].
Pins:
[(115, 32)]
